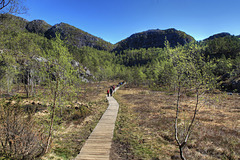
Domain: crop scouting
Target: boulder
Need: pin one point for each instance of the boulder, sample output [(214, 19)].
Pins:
[(75, 63)]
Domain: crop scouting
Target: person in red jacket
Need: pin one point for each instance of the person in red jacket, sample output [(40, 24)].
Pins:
[(108, 92)]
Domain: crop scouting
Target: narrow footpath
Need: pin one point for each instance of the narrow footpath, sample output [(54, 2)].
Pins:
[(98, 144)]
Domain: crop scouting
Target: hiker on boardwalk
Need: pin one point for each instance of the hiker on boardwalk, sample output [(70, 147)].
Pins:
[(108, 92), (98, 144), (111, 91)]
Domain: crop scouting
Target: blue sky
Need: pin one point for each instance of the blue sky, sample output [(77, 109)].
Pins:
[(114, 20)]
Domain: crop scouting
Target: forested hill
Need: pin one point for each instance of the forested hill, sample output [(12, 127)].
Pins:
[(154, 38), (77, 37), (218, 35), (72, 35)]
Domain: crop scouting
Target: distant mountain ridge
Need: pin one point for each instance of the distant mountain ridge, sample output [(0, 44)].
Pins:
[(154, 38), (218, 35), (79, 38), (71, 34)]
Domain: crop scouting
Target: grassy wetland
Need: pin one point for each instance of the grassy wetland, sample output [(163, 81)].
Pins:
[(145, 125)]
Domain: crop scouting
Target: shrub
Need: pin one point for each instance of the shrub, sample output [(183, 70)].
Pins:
[(19, 136), (80, 113)]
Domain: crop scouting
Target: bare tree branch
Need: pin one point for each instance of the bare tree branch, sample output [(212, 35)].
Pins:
[(193, 119), (52, 116), (180, 144), (12, 7), (177, 112), (3, 4)]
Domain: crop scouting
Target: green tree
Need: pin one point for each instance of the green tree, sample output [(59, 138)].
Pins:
[(138, 76), (193, 75), (223, 65), (61, 75), (8, 70)]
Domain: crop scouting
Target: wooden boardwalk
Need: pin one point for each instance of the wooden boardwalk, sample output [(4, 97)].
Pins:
[(98, 144)]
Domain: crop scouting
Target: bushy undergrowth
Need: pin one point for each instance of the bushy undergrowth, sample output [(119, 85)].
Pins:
[(20, 136)]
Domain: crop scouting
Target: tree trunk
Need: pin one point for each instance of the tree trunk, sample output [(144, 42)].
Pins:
[(26, 89), (27, 83), (52, 118), (181, 152), (8, 86)]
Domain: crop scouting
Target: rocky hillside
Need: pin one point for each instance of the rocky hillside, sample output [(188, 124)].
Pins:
[(77, 37), (38, 26), (154, 38)]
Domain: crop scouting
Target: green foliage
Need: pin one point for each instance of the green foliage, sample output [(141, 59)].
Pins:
[(152, 66), (229, 46), (102, 64), (8, 70)]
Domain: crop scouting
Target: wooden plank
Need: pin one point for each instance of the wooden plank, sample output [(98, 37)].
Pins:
[(98, 144)]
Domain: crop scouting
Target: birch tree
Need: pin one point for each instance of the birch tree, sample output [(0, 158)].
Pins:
[(61, 75), (194, 74)]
